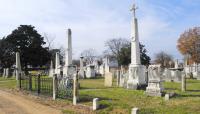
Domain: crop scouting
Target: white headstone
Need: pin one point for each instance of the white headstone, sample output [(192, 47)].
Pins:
[(90, 71), (95, 104), (81, 71), (155, 87)]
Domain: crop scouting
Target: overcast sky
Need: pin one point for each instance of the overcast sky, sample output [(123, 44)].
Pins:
[(95, 21)]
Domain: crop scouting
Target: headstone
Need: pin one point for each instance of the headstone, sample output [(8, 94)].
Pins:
[(51, 70), (155, 87), (7, 72), (176, 75), (167, 75), (4, 72), (108, 79), (68, 53), (72, 69), (136, 70), (18, 65), (95, 104), (81, 71), (135, 111), (167, 97), (90, 71)]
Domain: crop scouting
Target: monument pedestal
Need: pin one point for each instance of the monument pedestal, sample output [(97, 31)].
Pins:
[(154, 88), (137, 76)]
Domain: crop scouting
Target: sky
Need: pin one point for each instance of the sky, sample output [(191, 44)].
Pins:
[(93, 22)]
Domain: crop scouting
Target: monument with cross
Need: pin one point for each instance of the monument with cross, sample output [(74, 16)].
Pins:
[(137, 76)]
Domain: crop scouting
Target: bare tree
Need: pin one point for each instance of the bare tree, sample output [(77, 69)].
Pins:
[(114, 47), (49, 40), (89, 55), (164, 59)]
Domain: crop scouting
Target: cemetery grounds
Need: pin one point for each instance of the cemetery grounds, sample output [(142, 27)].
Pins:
[(112, 100)]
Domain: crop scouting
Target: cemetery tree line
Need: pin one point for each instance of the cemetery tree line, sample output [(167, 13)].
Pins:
[(121, 50), (29, 43), (189, 44)]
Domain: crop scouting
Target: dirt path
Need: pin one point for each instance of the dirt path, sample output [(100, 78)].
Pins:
[(16, 104)]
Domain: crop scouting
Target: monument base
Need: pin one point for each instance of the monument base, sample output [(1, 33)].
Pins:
[(154, 88), (137, 76)]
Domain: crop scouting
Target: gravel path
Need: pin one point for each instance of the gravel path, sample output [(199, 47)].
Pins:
[(16, 104)]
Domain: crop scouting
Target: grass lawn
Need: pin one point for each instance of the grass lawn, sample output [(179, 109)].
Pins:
[(9, 83), (120, 100)]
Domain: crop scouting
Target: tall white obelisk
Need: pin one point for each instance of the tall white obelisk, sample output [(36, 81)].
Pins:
[(136, 70), (68, 53)]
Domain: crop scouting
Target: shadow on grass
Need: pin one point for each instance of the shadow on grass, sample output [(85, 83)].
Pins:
[(193, 90), (171, 89), (190, 95)]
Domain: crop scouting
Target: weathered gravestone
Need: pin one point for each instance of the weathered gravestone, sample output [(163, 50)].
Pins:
[(90, 71), (81, 71), (155, 87), (108, 79), (167, 75)]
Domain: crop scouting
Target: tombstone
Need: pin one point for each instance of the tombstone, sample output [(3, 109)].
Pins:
[(167, 75), (135, 111), (51, 70), (4, 72), (95, 104), (71, 71), (167, 97), (155, 87), (90, 71), (18, 66), (68, 53), (176, 75), (108, 79), (81, 71), (57, 65), (136, 70), (7, 73)]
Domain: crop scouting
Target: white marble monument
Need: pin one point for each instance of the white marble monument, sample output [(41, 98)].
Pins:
[(68, 53), (81, 71), (136, 70), (155, 87)]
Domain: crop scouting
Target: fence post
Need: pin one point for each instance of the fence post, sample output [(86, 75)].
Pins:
[(39, 82), (30, 82), (55, 84), (20, 81), (75, 89)]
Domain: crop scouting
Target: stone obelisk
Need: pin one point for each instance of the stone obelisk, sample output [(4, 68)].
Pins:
[(57, 65), (68, 53), (136, 70)]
